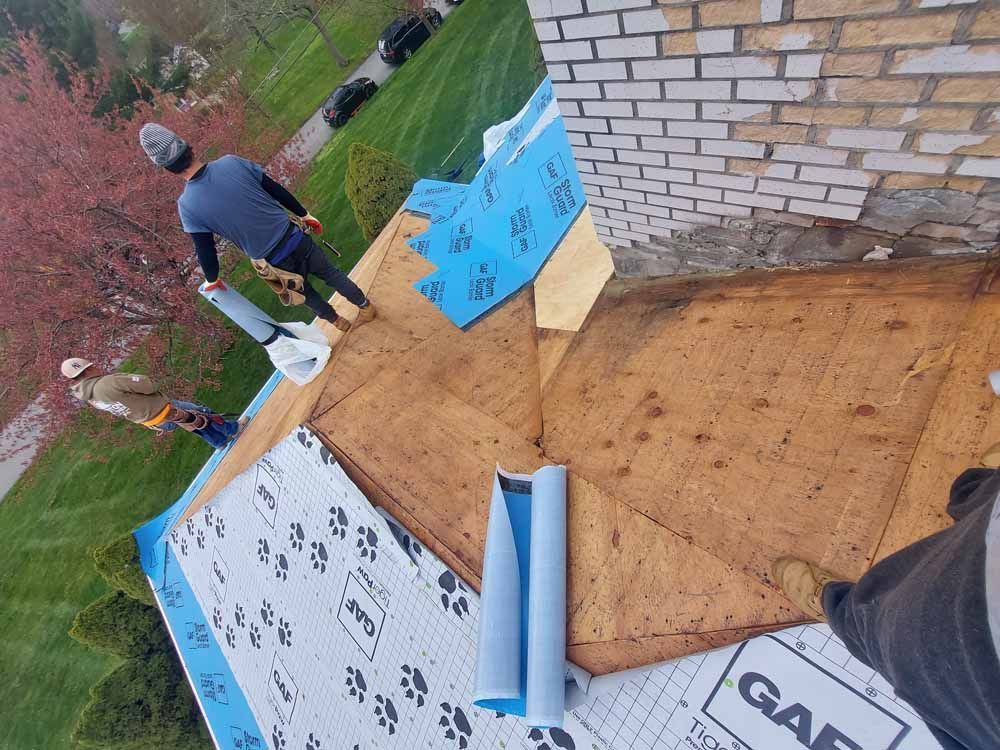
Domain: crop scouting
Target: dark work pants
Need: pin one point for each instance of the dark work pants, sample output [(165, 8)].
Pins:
[(309, 258), (919, 617)]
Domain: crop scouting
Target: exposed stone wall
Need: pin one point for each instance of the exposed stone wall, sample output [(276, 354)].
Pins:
[(723, 133)]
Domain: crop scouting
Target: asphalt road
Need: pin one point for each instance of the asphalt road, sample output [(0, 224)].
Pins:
[(312, 136)]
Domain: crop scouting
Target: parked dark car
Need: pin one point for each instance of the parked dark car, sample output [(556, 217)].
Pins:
[(402, 37), (346, 100)]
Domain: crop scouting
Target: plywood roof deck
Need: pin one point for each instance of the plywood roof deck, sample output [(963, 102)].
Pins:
[(709, 425)]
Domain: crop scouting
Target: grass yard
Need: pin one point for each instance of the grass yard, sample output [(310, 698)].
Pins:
[(480, 69), (51, 520), (306, 83)]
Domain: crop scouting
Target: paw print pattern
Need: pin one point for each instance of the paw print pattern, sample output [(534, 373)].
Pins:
[(209, 518), (297, 536), (386, 713), (189, 526), (338, 522), (557, 738), (305, 438), (255, 638), (217, 618), (324, 453), (277, 738), (285, 632), (281, 566), (407, 542), (267, 613), (240, 616), (367, 542), (230, 636), (313, 742), (220, 528), (453, 594), (412, 546), (174, 536), (263, 551), (319, 556), (184, 547), (200, 539), (456, 725), (414, 685), (356, 683)]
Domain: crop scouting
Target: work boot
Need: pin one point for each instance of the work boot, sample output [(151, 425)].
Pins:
[(366, 314), (803, 583), (341, 323)]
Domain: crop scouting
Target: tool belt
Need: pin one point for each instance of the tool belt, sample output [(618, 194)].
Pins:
[(287, 285)]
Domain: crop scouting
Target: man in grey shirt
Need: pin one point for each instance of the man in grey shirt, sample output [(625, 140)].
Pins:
[(927, 617), (235, 199)]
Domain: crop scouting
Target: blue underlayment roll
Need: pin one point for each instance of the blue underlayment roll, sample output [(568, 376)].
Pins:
[(521, 664)]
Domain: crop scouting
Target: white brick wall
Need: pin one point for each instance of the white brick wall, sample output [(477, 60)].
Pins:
[(632, 46), (590, 27), (688, 112)]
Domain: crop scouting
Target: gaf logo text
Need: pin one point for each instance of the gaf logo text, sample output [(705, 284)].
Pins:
[(265, 495), (219, 578), (773, 698), (361, 616), (282, 689)]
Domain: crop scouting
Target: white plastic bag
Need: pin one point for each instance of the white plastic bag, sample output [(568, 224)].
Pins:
[(300, 359)]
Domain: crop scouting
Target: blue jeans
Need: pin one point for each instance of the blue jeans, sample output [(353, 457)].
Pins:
[(920, 618), (215, 434)]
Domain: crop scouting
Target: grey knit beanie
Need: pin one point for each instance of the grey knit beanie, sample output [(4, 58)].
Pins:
[(161, 145)]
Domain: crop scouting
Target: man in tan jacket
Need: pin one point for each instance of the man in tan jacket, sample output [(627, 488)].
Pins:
[(137, 399)]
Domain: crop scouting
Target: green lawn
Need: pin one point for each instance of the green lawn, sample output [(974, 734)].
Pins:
[(307, 72), (480, 69), (50, 522)]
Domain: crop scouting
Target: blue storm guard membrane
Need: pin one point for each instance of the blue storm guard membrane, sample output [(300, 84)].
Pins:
[(491, 237), (521, 655)]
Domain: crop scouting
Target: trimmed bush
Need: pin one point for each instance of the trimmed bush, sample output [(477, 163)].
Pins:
[(142, 705), (377, 184), (120, 625), (118, 563)]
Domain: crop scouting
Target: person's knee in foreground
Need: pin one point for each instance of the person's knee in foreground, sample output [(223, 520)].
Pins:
[(236, 199), (927, 617), (137, 399)]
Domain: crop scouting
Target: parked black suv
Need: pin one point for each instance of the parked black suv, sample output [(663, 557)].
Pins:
[(402, 37), (346, 100)]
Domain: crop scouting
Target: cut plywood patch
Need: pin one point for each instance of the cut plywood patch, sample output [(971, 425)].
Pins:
[(434, 455), (290, 405), (738, 411), (493, 366), (571, 280), (963, 424), (552, 347), (405, 317)]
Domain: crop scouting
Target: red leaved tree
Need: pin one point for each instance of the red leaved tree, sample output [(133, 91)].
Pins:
[(93, 260)]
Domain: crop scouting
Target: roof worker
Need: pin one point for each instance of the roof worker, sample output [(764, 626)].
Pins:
[(137, 399), (236, 199), (927, 617)]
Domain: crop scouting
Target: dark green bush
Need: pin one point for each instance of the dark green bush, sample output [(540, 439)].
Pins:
[(377, 184), (120, 625), (118, 563), (141, 705)]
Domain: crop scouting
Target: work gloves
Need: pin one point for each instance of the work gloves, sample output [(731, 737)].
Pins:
[(313, 224)]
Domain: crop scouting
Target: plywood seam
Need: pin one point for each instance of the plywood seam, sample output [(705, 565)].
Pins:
[(471, 577), (694, 633), (986, 277)]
